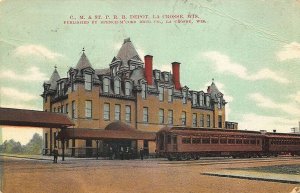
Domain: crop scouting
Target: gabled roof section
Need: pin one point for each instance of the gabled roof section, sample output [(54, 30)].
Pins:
[(53, 80), (83, 62), (127, 52)]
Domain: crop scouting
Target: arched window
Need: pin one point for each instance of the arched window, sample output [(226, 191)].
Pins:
[(144, 90), (201, 99), (207, 101), (184, 97), (117, 86), (128, 88), (194, 98), (105, 85), (88, 81)]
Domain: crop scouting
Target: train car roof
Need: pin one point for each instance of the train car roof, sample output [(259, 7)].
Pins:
[(282, 135), (191, 130)]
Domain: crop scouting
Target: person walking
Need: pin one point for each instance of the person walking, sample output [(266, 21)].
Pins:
[(55, 154), (142, 153)]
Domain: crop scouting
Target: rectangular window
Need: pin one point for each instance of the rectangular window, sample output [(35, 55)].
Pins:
[(145, 114), (106, 112), (170, 95), (220, 121), (67, 109), (88, 109), (144, 90), (117, 112), (219, 103), (161, 93), (194, 120), (73, 109), (183, 118), (62, 110), (128, 113), (105, 85), (208, 121), (88, 81), (58, 109), (201, 120), (186, 140), (170, 117), (54, 109), (161, 116), (73, 86)]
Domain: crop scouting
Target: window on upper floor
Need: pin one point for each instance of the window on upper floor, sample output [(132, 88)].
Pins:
[(184, 97), (132, 66), (219, 103), (106, 85), (67, 108), (145, 115), (195, 99), (128, 88), (88, 109), (106, 111), (166, 76), (170, 117), (144, 91), (194, 120), (201, 99), (88, 81), (128, 113), (157, 75), (117, 112), (208, 121), (161, 116), (161, 93), (201, 120), (170, 94), (183, 118), (73, 109), (73, 85), (207, 101), (117, 86)]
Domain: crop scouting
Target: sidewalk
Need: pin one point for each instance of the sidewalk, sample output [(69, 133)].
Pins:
[(252, 175)]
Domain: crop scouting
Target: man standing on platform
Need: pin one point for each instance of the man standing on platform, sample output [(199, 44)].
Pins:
[(55, 154), (142, 153)]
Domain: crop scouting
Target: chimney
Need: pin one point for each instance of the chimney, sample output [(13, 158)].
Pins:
[(148, 69), (176, 75), (208, 89)]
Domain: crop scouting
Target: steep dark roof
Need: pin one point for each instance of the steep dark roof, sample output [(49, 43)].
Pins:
[(213, 91), (83, 62), (53, 80), (127, 52)]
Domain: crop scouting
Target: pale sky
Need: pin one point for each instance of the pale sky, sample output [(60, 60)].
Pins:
[(250, 47)]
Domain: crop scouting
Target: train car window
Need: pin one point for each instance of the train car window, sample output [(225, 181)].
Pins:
[(214, 140), (246, 141), (252, 141), (257, 142), (223, 140), (239, 141), (169, 139), (231, 141), (174, 139), (196, 140), (205, 140), (186, 140)]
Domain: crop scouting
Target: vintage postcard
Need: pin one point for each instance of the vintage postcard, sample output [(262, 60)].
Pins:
[(149, 96)]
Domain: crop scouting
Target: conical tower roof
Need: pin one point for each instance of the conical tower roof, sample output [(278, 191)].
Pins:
[(127, 52), (213, 90), (53, 80), (83, 62)]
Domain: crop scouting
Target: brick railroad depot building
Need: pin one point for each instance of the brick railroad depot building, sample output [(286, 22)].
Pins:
[(122, 106)]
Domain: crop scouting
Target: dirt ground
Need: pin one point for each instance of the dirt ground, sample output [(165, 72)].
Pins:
[(134, 176)]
